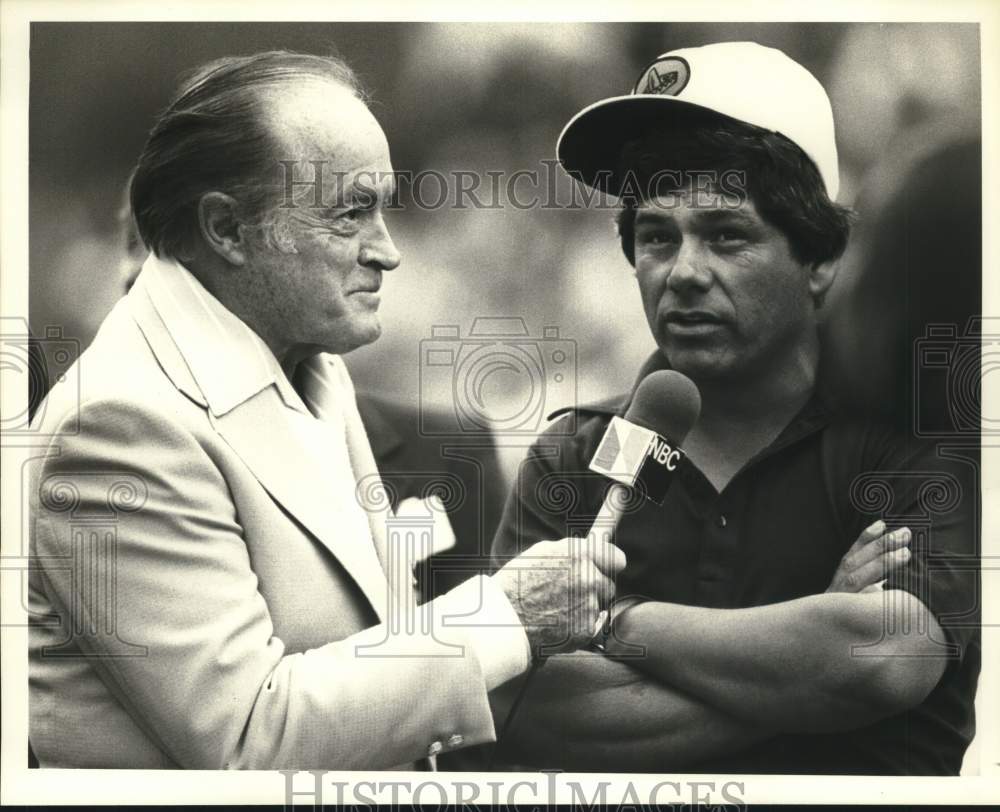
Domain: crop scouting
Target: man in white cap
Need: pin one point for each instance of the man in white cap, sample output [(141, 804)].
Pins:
[(800, 603)]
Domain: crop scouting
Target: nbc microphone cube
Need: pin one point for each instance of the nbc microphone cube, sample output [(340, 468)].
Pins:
[(637, 457)]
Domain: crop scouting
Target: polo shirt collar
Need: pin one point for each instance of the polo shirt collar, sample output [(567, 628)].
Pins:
[(814, 415), (228, 360)]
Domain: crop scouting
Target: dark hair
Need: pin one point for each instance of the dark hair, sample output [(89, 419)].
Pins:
[(213, 136), (781, 180)]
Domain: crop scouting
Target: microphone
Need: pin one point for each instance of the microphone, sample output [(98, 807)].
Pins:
[(642, 452)]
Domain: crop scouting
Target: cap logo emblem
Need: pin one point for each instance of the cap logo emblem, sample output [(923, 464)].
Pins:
[(665, 77)]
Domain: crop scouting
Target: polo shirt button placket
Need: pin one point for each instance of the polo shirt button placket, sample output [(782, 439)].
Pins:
[(722, 521)]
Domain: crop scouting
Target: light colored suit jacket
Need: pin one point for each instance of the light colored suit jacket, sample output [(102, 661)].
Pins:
[(196, 600)]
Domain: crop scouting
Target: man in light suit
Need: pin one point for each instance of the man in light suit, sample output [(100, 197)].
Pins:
[(213, 585), (413, 462)]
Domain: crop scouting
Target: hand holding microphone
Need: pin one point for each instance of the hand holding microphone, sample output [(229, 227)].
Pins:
[(642, 452), (559, 588)]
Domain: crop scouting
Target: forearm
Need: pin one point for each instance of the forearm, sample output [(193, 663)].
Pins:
[(585, 712), (796, 665)]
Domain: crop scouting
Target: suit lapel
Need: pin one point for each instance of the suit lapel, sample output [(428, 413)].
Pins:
[(327, 387), (263, 432), (366, 470), (300, 478)]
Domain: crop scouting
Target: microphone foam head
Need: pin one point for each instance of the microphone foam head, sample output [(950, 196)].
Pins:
[(666, 402)]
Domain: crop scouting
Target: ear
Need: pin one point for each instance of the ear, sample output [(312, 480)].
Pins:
[(821, 276), (219, 224)]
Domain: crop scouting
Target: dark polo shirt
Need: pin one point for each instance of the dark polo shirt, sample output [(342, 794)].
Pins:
[(778, 531)]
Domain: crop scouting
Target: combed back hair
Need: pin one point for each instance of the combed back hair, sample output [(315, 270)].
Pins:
[(778, 177), (213, 136)]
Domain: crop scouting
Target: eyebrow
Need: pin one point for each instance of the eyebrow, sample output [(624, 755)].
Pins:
[(709, 217), (384, 187)]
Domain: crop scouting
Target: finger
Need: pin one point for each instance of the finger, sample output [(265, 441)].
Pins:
[(604, 589), (886, 543), (593, 584), (583, 615), (875, 571), (869, 534), (549, 549), (608, 558)]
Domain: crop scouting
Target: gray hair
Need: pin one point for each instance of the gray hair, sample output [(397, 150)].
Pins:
[(213, 137)]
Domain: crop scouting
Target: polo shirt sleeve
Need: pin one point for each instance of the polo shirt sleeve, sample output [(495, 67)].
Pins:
[(933, 488), (546, 489)]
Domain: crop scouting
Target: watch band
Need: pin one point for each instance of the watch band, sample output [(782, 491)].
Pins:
[(604, 625)]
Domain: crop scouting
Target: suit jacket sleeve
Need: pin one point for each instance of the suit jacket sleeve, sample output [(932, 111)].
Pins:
[(215, 688)]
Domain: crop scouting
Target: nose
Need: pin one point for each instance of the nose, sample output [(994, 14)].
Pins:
[(690, 268), (378, 250)]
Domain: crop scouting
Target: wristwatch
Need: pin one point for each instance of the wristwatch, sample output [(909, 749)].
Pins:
[(604, 625)]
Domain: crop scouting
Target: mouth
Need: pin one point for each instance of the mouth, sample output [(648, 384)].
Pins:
[(367, 297), (692, 322)]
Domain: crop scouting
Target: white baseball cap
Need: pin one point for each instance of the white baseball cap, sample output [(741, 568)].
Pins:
[(739, 80)]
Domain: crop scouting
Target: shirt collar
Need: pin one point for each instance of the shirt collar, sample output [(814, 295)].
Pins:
[(228, 360), (814, 415)]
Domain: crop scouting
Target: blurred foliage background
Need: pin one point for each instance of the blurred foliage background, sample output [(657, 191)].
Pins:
[(474, 97)]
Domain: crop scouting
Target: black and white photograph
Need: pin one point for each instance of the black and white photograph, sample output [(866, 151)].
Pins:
[(421, 408)]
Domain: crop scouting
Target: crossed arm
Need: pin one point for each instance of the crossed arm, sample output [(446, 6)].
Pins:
[(816, 664), (712, 681), (588, 712)]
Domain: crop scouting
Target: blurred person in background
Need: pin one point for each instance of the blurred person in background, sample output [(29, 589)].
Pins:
[(251, 619), (910, 282), (772, 621)]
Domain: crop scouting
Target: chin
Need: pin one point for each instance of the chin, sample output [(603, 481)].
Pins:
[(366, 334), (703, 365), (352, 337)]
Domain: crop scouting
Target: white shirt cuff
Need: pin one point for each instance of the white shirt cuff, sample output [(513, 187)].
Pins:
[(480, 610)]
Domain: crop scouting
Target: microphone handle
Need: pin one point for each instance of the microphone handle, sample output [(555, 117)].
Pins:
[(611, 511), (603, 529)]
